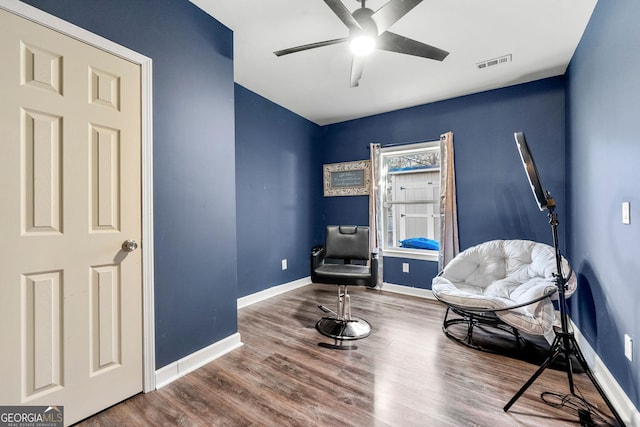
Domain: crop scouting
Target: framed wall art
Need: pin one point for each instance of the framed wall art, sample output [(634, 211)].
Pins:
[(347, 178)]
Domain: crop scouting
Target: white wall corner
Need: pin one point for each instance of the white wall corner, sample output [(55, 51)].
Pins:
[(190, 363), (272, 292)]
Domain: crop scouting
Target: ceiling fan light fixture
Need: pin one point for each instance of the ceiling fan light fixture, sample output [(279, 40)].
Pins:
[(363, 45), (368, 32)]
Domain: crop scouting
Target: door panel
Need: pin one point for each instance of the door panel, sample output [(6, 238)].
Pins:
[(70, 297)]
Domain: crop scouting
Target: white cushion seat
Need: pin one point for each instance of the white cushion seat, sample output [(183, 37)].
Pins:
[(511, 279)]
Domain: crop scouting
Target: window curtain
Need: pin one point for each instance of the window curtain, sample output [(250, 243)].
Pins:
[(375, 216), (449, 243)]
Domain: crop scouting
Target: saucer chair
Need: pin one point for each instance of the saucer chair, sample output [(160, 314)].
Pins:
[(504, 284)]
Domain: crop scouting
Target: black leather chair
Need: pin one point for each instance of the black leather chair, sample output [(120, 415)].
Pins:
[(342, 261)]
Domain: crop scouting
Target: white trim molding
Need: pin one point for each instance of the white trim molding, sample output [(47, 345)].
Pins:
[(286, 287), (408, 290), (190, 363), (616, 395), (272, 292), (40, 17), (421, 254), (148, 256), (618, 398)]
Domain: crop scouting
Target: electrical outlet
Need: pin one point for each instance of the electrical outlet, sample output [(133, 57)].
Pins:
[(284, 264), (628, 347), (405, 267), (626, 213)]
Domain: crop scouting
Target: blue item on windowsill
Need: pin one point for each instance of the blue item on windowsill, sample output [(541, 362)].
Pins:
[(420, 243)]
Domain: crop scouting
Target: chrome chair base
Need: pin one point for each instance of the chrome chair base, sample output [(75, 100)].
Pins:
[(343, 329)]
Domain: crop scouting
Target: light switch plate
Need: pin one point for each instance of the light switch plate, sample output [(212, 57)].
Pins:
[(626, 213), (628, 347)]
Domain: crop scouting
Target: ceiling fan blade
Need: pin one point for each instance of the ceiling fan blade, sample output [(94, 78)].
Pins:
[(310, 46), (343, 13), (357, 65), (391, 12), (400, 44)]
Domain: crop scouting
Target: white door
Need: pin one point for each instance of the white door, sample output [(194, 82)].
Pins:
[(70, 191)]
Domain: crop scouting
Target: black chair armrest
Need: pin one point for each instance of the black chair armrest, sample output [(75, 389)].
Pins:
[(375, 264), (317, 258)]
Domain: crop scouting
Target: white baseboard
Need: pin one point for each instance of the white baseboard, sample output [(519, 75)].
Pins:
[(616, 395), (182, 367), (286, 287), (273, 291), (408, 290), (618, 398)]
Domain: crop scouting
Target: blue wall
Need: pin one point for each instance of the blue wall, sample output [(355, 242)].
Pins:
[(494, 198), (603, 89), (194, 161), (275, 178), (278, 199)]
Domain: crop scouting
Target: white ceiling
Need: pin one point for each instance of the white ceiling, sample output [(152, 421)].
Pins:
[(541, 36)]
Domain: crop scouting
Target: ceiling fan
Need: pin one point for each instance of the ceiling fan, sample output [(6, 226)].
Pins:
[(368, 31)]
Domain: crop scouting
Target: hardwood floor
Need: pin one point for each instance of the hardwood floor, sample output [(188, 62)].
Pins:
[(406, 373)]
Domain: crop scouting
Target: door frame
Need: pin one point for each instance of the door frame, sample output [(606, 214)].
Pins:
[(148, 326)]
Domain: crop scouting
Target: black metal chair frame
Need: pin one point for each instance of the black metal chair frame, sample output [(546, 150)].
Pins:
[(474, 317)]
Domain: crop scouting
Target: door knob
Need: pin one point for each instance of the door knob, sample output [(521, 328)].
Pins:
[(129, 245)]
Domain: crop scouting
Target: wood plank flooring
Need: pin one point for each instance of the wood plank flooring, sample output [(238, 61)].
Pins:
[(406, 373)]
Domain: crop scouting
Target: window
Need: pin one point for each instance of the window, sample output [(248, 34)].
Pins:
[(410, 202)]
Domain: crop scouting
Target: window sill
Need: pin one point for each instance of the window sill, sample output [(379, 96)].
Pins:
[(421, 254)]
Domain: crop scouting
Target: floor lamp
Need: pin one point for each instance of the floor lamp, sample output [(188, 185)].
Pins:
[(564, 343)]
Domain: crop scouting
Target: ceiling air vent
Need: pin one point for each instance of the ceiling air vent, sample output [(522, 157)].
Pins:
[(491, 62)]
